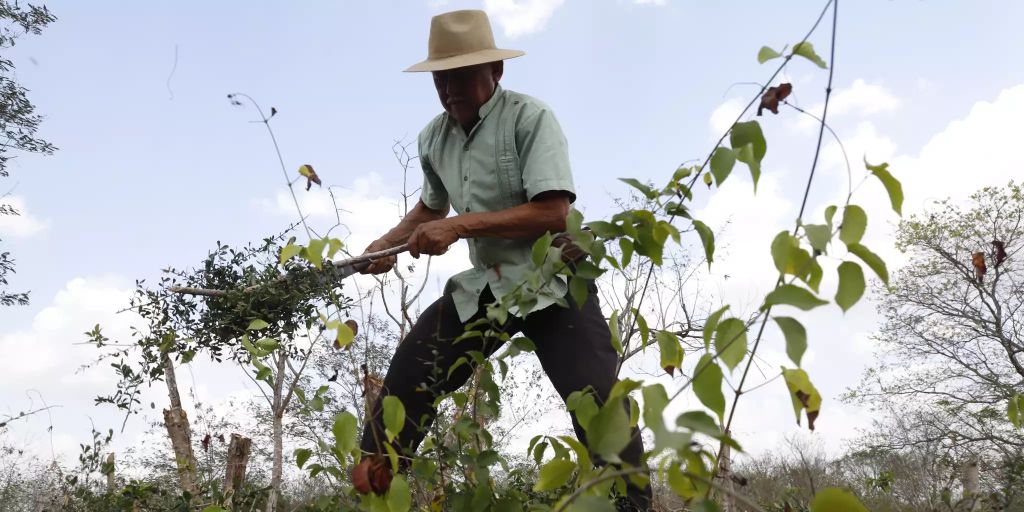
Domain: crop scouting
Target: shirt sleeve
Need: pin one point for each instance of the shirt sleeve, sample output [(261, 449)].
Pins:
[(432, 193), (543, 153)]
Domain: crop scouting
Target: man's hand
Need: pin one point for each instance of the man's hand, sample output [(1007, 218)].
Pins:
[(381, 265), (432, 238)]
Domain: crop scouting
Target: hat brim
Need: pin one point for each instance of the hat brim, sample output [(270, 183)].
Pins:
[(468, 59)]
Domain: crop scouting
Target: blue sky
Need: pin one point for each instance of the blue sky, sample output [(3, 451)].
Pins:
[(155, 166)]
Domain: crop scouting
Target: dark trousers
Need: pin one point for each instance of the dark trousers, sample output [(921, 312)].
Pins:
[(573, 346)]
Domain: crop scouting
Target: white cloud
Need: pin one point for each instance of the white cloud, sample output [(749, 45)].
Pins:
[(521, 17), (21, 225), (861, 99), (724, 115)]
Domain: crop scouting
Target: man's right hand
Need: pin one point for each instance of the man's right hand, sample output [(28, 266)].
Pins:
[(382, 265)]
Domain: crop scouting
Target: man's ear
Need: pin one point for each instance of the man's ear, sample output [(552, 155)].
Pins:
[(497, 69)]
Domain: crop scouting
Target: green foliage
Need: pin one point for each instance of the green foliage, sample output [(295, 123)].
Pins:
[(806, 50), (731, 341), (707, 384), (851, 285), (804, 395), (796, 337), (833, 499), (766, 54), (792, 295)]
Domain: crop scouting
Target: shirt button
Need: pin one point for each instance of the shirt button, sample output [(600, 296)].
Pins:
[(467, 208), (465, 178), (466, 147)]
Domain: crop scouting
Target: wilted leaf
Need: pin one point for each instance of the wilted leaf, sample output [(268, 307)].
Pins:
[(310, 175), (804, 395), (978, 262), (771, 98)]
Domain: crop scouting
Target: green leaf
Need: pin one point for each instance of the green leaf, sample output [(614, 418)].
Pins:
[(749, 132), (554, 474), (707, 239), (333, 246), (806, 50), (785, 253), (891, 184), (394, 416), (604, 229), (646, 190), (851, 285), (215, 508), (345, 335), (699, 421), (671, 351), (399, 497), (707, 384), (608, 432), (818, 235), (574, 221), (1014, 412), (711, 323), (814, 275), (872, 260), (540, 249), (623, 388), (722, 161), (829, 213), (731, 341), (803, 394), (796, 337), (834, 499), (855, 222), (655, 401), (707, 179), (344, 430), (627, 251), (268, 344), (578, 291), (766, 54), (613, 326), (257, 325), (641, 322), (289, 251), (590, 503), (301, 456), (793, 295), (746, 155), (315, 252)]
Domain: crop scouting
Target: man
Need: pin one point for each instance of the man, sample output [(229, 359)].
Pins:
[(500, 159)]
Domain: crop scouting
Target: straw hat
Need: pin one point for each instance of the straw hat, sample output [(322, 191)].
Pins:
[(461, 38)]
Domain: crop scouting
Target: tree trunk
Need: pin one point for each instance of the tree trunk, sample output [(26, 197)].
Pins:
[(110, 476), (971, 481), (178, 430), (238, 460), (278, 412), (725, 479)]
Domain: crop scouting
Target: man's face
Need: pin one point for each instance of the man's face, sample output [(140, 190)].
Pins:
[(463, 91)]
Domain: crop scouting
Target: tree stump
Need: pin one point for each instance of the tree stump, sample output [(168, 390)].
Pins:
[(238, 460)]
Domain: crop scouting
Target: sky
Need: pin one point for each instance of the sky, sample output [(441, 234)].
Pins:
[(155, 166)]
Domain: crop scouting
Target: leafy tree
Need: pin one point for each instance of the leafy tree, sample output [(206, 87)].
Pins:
[(951, 360), (18, 119)]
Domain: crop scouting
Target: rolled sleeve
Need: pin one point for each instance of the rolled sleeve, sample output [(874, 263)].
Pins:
[(432, 193), (544, 154)]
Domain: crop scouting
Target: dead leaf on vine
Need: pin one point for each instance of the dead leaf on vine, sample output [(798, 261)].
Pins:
[(978, 260), (771, 98), (806, 400), (1000, 251), (671, 370)]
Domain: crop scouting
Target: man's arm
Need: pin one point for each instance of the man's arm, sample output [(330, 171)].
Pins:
[(546, 212), (419, 214)]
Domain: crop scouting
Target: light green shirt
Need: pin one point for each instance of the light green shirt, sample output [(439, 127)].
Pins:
[(514, 153)]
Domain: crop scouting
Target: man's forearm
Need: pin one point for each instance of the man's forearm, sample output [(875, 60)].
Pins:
[(419, 214), (528, 220)]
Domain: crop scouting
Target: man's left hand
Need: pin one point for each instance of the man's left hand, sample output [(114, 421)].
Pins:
[(432, 238)]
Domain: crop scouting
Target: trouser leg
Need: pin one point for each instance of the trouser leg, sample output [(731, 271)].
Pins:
[(418, 373), (575, 350)]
